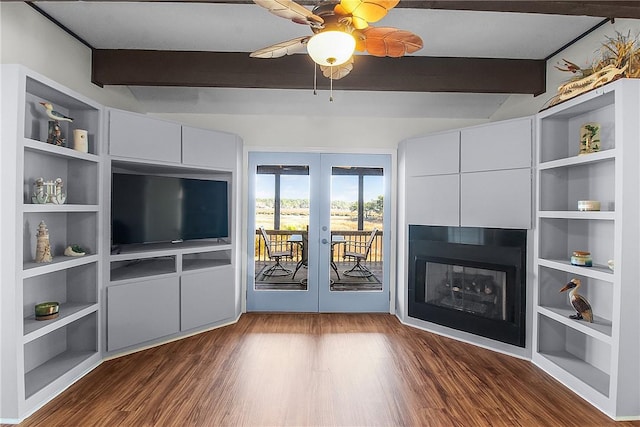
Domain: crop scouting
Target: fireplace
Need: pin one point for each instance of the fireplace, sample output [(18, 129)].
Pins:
[(470, 279)]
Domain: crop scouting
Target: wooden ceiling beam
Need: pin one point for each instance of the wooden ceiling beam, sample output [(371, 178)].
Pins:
[(604, 9), (238, 70)]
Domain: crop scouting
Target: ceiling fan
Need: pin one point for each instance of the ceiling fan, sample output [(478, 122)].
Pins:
[(339, 28)]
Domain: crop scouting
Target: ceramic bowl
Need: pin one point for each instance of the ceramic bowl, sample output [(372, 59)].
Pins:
[(46, 309)]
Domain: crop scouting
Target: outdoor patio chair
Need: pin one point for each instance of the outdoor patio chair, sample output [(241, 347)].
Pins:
[(276, 251), (359, 252)]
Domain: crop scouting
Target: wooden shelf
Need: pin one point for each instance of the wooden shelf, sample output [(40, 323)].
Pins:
[(585, 103), (51, 370), (69, 312), (581, 370), (64, 152), (596, 215), (599, 272), (61, 262), (50, 207), (601, 156), (599, 329)]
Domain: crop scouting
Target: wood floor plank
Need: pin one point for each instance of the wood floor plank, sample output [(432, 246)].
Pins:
[(273, 369)]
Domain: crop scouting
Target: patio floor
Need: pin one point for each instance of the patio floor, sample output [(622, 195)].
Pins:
[(344, 283)]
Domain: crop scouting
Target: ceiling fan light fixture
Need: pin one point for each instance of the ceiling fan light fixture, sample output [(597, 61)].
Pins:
[(331, 47)]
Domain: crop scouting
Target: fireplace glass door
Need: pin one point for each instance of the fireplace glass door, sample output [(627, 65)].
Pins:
[(478, 291)]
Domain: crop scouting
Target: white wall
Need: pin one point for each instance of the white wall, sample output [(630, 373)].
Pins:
[(303, 132), (582, 53), (28, 38)]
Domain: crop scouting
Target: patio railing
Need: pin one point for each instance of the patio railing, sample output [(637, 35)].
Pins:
[(280, 239)]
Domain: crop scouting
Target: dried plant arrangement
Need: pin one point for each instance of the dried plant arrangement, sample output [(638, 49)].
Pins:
[(619, 57)]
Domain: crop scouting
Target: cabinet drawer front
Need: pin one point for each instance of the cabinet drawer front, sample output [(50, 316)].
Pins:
[(433, 200), (496, 199), (140, 137), (433, 155), (503, 145), (201, 147), (141, 311), (206, 297)]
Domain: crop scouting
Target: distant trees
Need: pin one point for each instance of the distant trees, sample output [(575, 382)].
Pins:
[(284, 203), (300, 204), (371, 208)]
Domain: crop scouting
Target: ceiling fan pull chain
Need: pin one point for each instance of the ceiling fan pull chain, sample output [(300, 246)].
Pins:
[(315, 78), (331, 85)]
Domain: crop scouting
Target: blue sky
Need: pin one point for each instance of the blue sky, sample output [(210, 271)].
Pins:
[(344, 188)]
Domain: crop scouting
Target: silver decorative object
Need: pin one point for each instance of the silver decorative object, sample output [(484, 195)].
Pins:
[(48, 192)]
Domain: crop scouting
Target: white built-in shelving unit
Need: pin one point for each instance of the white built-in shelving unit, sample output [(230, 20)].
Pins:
[(47, 356), (599, 360), (111, 303), (192, 283)]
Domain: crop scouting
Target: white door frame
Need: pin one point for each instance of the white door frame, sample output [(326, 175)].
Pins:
[(390, 214)]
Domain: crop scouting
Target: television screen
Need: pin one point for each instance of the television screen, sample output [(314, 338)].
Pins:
[(150, 208)]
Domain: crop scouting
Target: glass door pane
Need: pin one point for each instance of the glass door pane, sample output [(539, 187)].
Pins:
[(281, 264), (356, 216), (282, 224)]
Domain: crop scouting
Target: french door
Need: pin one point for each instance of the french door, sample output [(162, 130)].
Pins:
[(318, 232)]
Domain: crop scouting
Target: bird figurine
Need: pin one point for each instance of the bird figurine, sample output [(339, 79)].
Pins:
[(578, 302), (53, 114)]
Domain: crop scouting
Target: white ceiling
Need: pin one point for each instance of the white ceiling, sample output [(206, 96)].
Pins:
[(248, 27)]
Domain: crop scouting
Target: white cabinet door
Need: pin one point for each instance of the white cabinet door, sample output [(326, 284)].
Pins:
[(500, 145), (141, 311), (499, 199), (141, 137), (206, 297), (433, 200), (202, 147), (433, 155)]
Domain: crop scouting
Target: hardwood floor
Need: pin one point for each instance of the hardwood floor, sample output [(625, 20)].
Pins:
[(318, 369)]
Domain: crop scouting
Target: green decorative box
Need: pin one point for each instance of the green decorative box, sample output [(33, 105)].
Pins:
[(47, 310)]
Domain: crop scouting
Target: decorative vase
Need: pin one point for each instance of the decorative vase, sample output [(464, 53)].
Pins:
[(43, 247), (581, 258), (81, 140), (589, 138)]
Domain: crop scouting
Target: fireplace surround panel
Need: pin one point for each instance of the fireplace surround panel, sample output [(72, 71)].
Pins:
[(470, 279)]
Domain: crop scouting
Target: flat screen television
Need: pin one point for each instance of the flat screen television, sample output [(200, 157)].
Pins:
[(151, 208)]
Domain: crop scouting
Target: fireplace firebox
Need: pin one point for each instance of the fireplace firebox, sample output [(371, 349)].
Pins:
[(470, 279)]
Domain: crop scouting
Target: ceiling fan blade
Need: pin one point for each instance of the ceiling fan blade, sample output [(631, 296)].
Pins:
[(388, 41), (277, 50), (291, 10), (337, 72), (365, 11)]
